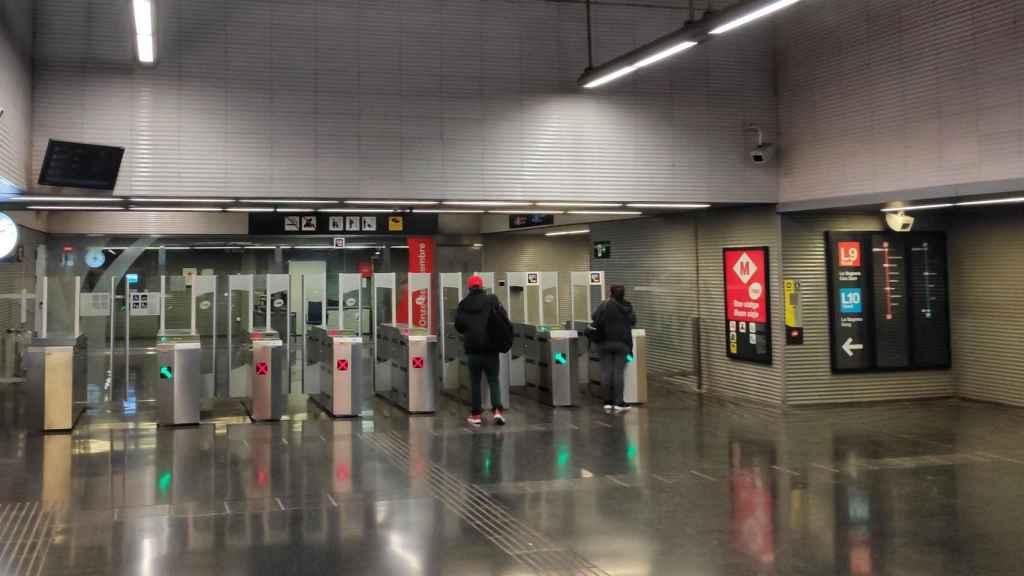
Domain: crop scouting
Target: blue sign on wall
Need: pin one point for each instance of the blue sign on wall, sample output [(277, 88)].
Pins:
[(850, 301)]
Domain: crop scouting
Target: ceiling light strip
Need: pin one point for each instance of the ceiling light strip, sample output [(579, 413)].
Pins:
[(82, 208), (683, 206), (919, 207), (568, 232), (394, 202), (62, 199), (285, 201)]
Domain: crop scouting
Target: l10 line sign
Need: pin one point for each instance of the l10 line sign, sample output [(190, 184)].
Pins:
[(747, 314)]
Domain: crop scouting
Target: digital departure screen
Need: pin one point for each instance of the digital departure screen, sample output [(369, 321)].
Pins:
[(888, 300), (77, 165)]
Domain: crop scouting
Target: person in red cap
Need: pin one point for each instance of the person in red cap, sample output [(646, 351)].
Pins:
[(486, 332)]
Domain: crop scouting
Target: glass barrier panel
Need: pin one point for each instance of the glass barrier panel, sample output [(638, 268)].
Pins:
[(142, 318), (177, 303), (204, 310), (61, 305), (549, 298), (96, 322), (17, 322)]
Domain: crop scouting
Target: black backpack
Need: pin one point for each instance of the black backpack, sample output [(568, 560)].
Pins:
[(499, 330)]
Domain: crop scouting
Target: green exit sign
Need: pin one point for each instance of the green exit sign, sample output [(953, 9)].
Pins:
[(560, 358), (166, 373), (630, 358)]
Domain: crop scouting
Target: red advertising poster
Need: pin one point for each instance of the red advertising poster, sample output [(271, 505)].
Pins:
[(421, 259), (748, 323)]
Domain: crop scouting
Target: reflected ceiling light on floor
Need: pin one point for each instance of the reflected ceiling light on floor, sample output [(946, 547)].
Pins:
[(145, 43), (356, 210), (483, 203), (250, 209), (394, 202), (1015, 200), (285, 201), (568, 232), (62, 199), (751, 16), (919, 207), (183, 200), (445, 211), (607, 212), (82, 208), (581, 204), (526, 211), (175, 209), (679, 206)]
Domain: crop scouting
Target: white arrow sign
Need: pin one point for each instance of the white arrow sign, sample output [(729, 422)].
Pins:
[(849, 347)]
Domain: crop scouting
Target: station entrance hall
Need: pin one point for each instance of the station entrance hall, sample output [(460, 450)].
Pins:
[(511, 287)]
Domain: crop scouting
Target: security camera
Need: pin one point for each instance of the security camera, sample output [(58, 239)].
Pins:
[(762, 154), (899, 221)]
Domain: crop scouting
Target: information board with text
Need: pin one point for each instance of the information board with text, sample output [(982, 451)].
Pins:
[(747, 314)]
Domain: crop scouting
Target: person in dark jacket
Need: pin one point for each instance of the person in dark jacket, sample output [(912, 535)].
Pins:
[(614, 320), (471, 321)]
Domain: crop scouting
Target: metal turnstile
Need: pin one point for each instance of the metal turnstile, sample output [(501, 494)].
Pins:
[(634, 390), (269, 366), (53, 367), (409, 358), (550, 365), (345, 372), (179, 357)]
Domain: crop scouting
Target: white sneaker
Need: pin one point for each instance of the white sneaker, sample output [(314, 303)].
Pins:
[(609, 408), (622, 408)]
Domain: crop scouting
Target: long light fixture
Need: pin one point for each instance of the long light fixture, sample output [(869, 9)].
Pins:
[(484, 203), (751, 16), (83, 208), (679, 206), (355, 211), (394, 202), (607, 212), (526, 211), (445, 211), (1014, 200), (156, 199), (919, 207), (145, 41), (250, 209), (680, 40), (568, 232), (581, 204), (294, 210), (175, 209), (62, 199), (285, 201)]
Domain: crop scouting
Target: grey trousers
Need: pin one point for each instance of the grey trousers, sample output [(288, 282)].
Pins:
[(613, 370)]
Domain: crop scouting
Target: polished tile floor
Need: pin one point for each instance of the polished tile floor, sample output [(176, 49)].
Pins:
[(688, 485)]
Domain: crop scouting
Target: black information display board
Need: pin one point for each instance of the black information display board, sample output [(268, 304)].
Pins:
[(77, 165), (888, 300)]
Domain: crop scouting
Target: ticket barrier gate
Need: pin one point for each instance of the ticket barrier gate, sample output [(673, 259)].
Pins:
[(54, 367), (549, 365), (634, 389), (344, 371), (178, 396), (269, 365), (463, 391), (406, 368)]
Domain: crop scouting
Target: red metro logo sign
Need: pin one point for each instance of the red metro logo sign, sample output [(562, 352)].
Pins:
[(747, 318)]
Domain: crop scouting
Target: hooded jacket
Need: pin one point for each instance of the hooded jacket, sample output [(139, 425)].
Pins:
[(615, 318), (471, 320)]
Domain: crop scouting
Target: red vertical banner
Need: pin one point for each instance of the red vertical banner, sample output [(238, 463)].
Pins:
[(421, 259), (748, 326)]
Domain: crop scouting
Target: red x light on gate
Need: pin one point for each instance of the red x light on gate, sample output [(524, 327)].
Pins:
[(417, 362), (342, 365), (262, 369)]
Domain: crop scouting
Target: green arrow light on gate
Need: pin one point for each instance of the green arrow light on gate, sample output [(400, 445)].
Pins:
[(559, 358), (166, 373), (629, 358)]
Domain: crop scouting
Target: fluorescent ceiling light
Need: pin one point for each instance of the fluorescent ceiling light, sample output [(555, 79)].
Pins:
[(606, 212), (84, 208), (250, 209), (217, 247), (356, 210), (569, 232), (145, 42), (285, 201), (919, 207), (1014, 200), (261, 247), (683, 206), (175, 209), (445, 211), (295, 209), (484, 203), (395, 202), (526, 211), (609, 77), (581, 204), (666, 53), (62, 199), (477, 245), (183, 200), (313, 247), (399, 247), (750, 17)]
